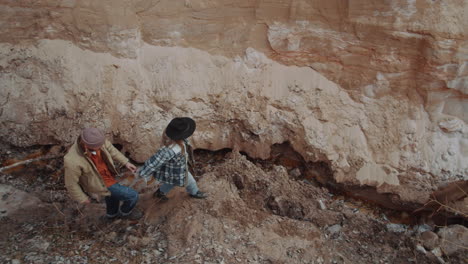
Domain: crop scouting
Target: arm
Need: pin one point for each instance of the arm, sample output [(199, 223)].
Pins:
[(72, 177), (115, 153), (155, 162)]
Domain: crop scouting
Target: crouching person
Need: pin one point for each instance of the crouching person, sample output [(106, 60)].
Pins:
[(170, 164), (90, 169)]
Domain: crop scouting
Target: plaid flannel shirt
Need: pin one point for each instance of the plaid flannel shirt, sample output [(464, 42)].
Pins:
[(165, 166)]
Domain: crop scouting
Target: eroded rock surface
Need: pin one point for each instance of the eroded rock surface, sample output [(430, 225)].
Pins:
[(378, 90)]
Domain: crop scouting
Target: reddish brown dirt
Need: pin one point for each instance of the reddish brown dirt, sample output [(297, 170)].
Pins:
[(254, 214)]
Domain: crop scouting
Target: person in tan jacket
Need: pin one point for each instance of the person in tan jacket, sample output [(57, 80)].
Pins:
[(90, 168)]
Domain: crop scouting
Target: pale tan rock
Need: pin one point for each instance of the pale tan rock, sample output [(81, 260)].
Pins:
[(246, 104), (375, 175), (453, 239)]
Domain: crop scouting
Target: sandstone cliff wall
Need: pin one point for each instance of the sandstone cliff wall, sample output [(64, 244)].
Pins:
[(378, 89)]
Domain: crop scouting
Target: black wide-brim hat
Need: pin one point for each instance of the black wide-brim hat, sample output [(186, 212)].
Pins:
[(180, 128)]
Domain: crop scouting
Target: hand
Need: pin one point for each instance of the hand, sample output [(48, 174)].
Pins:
[(86, 202), (131, 167)]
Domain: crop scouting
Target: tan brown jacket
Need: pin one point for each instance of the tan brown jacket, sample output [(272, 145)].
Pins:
[(81, 174)]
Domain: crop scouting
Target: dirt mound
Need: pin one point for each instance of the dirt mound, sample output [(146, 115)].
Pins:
[(254, 214)]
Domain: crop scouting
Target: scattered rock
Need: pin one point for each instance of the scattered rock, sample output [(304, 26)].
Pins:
[(111, 236), (322, 205), (234, 227), (421, 249), (453, 239), (38, 243), (145, 241), (295, 173), (429, 239), (422, 228), (396, 228), (334, 229), (437, 252), (133, 241)]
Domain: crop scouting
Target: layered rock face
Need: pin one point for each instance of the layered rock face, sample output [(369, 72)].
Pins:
[(376, 89)]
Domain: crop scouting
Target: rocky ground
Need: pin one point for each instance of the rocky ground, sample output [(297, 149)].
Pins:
[(255, 213)]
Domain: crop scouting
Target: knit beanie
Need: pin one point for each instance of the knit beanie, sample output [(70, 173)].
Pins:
[(93, 137)]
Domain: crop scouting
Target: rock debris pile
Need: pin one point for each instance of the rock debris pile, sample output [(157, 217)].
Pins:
[(255, 214)]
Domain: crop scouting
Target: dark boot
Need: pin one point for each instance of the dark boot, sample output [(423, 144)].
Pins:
[(104, 219), (160, 195), (199, 195), (136, 214)]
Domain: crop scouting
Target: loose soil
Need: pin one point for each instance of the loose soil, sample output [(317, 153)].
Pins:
[(255, 213)]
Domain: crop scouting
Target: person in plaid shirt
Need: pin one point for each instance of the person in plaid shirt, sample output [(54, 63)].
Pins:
[(170, 163)]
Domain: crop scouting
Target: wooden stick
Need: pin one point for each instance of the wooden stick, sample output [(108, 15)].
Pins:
[(56, 207), (26, 162)]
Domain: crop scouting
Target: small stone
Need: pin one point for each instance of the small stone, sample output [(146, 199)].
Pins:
[(334, 229), (133, 241), (111, 236), (145, 241), (307, 182), (396, 228), (421, 249), (322, 205), (437, 252), (39, 243), (423, 228), (384, 217), (295, 173), (429, 239), (453, 239), (15, 261)]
